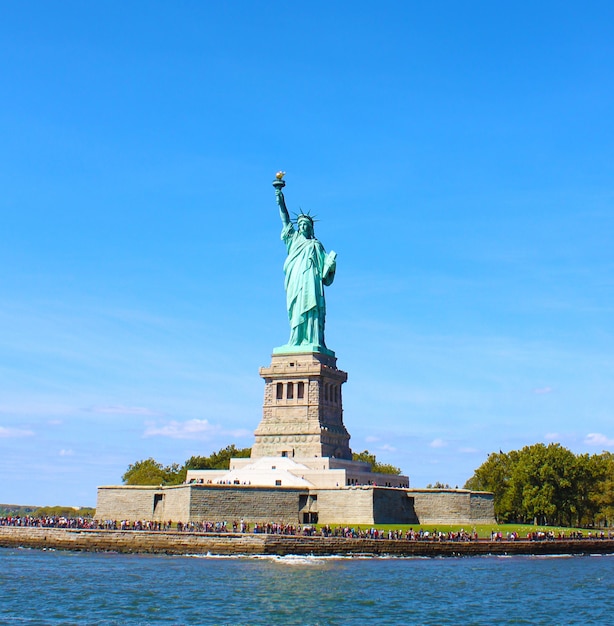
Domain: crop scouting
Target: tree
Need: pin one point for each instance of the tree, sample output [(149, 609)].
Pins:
[(219, 459), (64, 511), (379, 468), (545, 478), (590, 472), (150, 472), (495, 475), (603, 494), (548, 484)]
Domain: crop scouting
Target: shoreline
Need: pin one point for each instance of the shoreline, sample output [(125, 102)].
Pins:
[(227, 544)]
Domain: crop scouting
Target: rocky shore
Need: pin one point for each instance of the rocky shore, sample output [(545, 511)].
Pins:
[(174, 542)]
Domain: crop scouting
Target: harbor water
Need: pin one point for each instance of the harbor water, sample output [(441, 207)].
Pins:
[(57, 587)]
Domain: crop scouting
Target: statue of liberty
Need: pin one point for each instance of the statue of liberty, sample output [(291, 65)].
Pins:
[(307, 268)]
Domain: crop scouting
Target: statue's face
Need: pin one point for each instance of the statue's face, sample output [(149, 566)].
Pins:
[(305, 227)]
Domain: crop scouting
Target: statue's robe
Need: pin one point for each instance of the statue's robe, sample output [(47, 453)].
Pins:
[(307, 270)]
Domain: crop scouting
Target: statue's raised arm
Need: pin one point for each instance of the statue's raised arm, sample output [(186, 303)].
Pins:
[(308, 269), (279, 183), (283, 210)]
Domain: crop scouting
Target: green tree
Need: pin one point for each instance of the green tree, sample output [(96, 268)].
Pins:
[(495, 475), (379, 468), (548, 484), (219, 459), (590, 473), (546, 478), (64, 511), (603, 493), (150, 472)]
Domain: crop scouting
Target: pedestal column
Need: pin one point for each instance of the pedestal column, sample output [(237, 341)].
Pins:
[(302, 414)]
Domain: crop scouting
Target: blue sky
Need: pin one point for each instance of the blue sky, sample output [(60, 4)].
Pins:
[(459, 157)]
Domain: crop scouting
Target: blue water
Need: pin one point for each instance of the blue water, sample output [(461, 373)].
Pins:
[(38, 587)]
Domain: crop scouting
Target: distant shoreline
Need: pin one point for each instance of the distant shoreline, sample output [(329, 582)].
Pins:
[(224, 544)]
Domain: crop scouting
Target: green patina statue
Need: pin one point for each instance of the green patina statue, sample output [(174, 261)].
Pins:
[(307, 268)]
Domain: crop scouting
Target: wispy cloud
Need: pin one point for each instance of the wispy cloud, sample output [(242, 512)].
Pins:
[(438, 443), (371, 439), (120, 409), (468, 450), (542, 390), (388, 448), (552, 436), (191, 429), (66, 452), (10, 433), (597, 439)]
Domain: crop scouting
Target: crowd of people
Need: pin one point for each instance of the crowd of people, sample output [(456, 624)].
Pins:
[(550, 535), (273, 528), (48, 521), (408, 535)]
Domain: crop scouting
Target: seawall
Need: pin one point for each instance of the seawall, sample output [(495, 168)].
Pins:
[(173, 542)]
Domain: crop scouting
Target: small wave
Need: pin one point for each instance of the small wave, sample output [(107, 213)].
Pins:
[(208, 555), (291, 559), (605, 555), (551, 556), (288, 559)]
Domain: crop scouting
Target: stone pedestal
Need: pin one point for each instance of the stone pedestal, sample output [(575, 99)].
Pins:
[(302, 414)]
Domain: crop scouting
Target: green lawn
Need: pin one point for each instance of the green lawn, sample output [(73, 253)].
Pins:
[(484, 530)]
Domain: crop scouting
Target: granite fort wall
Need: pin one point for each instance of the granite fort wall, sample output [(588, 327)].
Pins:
[(451, 506), (365, 505), (143, 503), (202, 503), (351, 505), (393, 506), (379, 505), (253, 504)]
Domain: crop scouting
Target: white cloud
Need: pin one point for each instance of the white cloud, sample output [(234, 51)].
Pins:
[(67, 452), (120, 409), (552, 436), (371, 439), (192, 429), (543, 390), (438, 443), (388, 448), (468, 450), (9, 433), (597, 439)]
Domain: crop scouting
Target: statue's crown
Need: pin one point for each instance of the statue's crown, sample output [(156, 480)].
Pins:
[(305, 216)]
